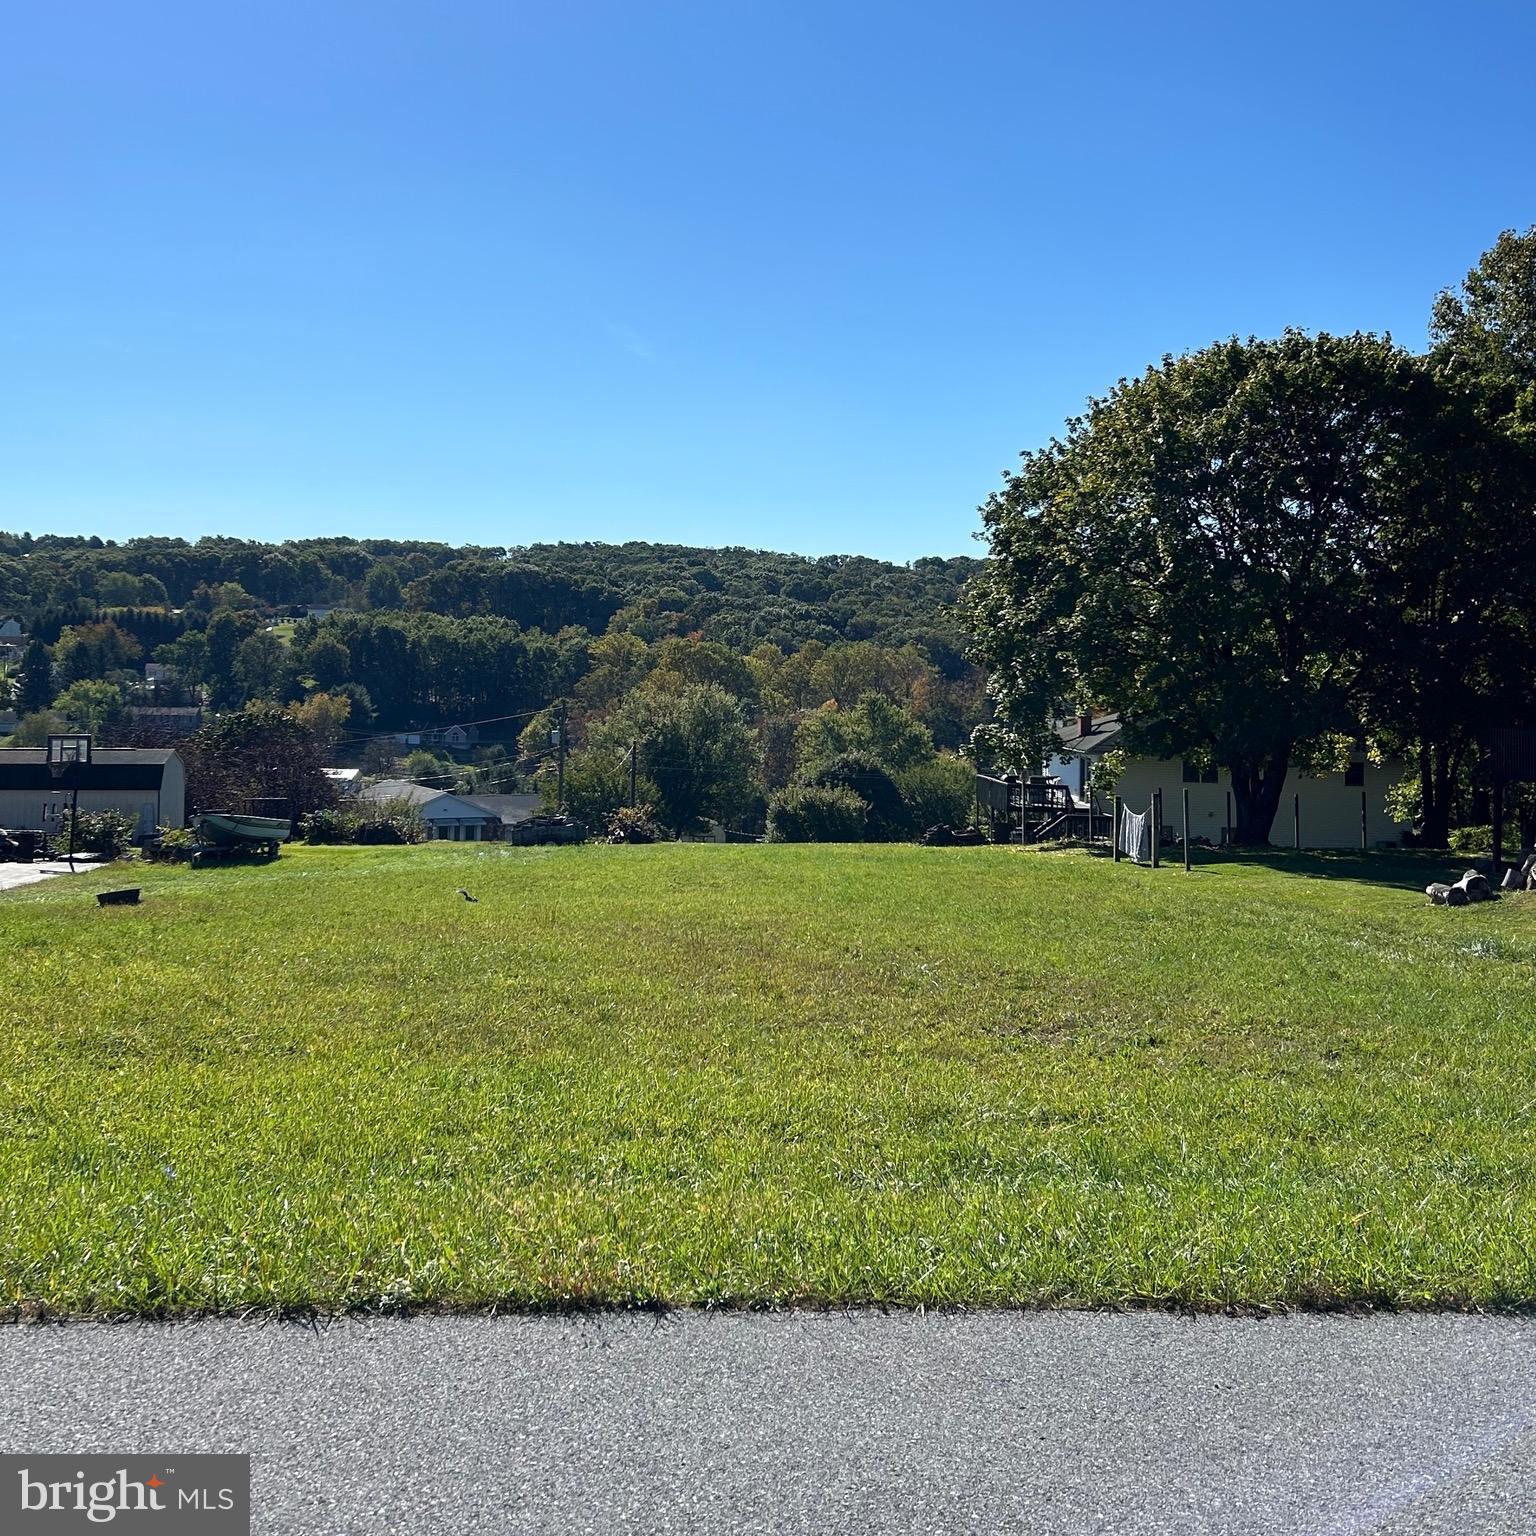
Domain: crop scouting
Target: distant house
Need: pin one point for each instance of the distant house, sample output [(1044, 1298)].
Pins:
[(456, 818), (1330, 803), (10, 629), (457, 738), (13, 640), (318, 611), (164, 722), (508, 809), (448, 818), (348, 781), (149, 784)]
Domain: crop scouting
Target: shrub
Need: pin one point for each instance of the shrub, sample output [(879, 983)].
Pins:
[(390, 821), (103, 832), (330, 826), (632, 824), (812, 814), (940, 793), (1470, 840), (887, 815), (174, 843)]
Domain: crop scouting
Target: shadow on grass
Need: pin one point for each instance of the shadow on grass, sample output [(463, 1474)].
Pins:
[(1408, 869)]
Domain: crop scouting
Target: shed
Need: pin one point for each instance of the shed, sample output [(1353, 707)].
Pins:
[(147, 783)]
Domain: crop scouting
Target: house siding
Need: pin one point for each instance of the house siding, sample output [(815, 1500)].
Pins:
[(1330, 809), (31, 799)]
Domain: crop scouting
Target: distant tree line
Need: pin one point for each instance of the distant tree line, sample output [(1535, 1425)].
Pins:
[(725, 674)]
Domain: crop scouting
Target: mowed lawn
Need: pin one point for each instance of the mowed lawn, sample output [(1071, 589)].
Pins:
[(697, 1074)]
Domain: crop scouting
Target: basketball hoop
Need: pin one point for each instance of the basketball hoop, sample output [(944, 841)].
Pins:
[(65, 751)]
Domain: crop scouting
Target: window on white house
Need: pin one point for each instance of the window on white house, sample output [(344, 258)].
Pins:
[(1194, 774), (1354, 776)]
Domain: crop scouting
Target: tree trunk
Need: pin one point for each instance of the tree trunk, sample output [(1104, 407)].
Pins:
[(1438, 762), (1256, 789)]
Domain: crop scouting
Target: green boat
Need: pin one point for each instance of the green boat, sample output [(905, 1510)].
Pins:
[(222, 832)]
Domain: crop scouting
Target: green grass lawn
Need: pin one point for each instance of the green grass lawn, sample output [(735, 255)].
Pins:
[(736, 1074)]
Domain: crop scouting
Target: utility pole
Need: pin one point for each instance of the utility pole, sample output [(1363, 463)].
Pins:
[(634, 766), (560, 755)]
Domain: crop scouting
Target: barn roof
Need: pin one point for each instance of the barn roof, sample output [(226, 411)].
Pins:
[(109, 768)]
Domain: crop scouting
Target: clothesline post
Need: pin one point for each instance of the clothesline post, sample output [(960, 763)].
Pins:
[(1157, 826), (1114, 830), (1186, 831)]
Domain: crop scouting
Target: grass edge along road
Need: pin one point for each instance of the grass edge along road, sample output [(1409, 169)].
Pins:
[(763, 1074)]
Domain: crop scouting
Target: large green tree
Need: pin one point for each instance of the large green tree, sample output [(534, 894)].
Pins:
[(1190, 553), (695, 747)]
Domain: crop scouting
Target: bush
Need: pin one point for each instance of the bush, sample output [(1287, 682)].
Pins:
[(1470, 840), (331, 826), (812, 814), (942, 792), (887, 816), (103, 832), (632, 824), (174, 843), (390, 821)]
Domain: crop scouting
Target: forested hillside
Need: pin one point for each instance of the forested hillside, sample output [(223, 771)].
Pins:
[(738, 597), (723, 668)]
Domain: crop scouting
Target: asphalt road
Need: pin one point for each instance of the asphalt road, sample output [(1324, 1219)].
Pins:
[(861, 1423)]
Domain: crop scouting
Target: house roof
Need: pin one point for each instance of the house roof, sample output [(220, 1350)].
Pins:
[(401, 789), (508, 808), (423, 796), (109, 768), (1102, 736)]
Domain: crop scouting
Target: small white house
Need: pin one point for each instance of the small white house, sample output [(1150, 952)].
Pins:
[(1330, 804), (448, 818)]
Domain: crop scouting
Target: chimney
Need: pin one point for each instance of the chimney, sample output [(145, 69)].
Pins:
[(1085, 723)]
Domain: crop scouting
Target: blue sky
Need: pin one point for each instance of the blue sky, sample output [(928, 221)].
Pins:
[(800, 276)]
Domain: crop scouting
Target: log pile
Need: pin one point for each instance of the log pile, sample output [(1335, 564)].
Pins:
[(1471, 887)]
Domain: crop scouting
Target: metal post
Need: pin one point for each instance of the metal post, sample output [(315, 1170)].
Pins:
[(1498, 825), (1114, 829), (1186, 831), (1157, 827), (634, 763), (1365, 846), (560, 760), (1229, 818), (74, 816), (1296, 820)]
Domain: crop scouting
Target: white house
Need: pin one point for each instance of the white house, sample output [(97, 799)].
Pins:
[(1330, 804), (448, 818), (456, 818)]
